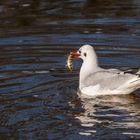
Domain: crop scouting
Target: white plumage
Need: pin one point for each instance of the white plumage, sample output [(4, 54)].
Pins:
[(95, 80)]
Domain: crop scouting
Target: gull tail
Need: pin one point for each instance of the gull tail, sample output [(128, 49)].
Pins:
[(135, 84), (131, 85)]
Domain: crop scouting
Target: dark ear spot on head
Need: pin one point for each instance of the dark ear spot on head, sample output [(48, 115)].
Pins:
[(85, 54)]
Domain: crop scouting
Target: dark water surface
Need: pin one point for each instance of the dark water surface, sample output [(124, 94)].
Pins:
[(38, 99)]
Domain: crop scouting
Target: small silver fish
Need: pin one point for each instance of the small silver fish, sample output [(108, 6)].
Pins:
[(69, 63)]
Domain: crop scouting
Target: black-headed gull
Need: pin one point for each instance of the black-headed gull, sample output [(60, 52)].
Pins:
[(95, 80)]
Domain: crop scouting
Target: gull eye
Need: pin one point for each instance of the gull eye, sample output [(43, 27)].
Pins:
[(85, 54), (79, 51)]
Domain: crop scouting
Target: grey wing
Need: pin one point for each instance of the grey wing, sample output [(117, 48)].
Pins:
[(107, 79), (114, 70)]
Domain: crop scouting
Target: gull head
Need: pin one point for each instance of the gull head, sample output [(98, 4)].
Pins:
[(85, 52)]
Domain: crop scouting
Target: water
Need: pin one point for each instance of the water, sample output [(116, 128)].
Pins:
[(38, 99)]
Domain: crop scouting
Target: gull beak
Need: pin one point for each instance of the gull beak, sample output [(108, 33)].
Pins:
[(75, 55)]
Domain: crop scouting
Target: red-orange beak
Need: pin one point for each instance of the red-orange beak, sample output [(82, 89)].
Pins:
[(75, 55)]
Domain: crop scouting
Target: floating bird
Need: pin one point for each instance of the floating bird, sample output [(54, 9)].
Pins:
[(94, 80)]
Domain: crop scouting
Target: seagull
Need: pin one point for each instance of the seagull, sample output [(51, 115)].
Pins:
[(95, 81)]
